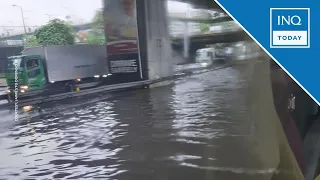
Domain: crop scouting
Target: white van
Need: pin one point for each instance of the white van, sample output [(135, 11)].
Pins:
[(206, 55)]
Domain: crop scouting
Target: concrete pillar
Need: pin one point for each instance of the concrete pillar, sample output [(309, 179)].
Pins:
[(158, 43), (186, 37), (186, 41)]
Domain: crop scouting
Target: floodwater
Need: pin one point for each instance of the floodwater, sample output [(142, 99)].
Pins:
[(195, 129)]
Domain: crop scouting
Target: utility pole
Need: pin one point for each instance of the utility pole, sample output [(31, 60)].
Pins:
[(24, 25), (49, 16)]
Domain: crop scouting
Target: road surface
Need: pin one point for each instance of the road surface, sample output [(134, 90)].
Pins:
[(195, 129)]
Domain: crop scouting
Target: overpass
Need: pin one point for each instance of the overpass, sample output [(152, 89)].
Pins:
[(212, 18), (182, 43), (89, 25), (195, 41)]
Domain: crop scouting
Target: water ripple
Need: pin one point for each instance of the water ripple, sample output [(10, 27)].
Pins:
[(173, 132)]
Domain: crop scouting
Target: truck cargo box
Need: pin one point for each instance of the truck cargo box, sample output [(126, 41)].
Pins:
[(67, 62)]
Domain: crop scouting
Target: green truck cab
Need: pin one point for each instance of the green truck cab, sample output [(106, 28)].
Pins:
[(25, 73)]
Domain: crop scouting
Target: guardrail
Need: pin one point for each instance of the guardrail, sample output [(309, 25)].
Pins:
[(55, 97)]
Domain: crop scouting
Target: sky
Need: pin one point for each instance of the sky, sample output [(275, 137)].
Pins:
[(37, 12)]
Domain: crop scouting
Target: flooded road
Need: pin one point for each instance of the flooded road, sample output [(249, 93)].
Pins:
[(195, 129)]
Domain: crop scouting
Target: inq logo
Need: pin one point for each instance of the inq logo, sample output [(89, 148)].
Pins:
[(289, 20), (289, 27)]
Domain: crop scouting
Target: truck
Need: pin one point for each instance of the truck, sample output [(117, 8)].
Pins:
[(205, 55), (237, 51), (56, 69)]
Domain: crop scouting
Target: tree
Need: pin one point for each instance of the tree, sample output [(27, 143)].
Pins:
[(97, 35), (30, 41), (96, 38), (98, 21), (56, 32)]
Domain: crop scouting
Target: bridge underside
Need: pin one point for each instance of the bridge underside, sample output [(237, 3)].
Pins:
[(212, 39)]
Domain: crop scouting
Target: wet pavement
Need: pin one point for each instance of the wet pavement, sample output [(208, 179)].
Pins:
[(195, 129)]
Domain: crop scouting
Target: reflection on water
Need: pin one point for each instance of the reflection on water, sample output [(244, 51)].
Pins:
[(194, 129)]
